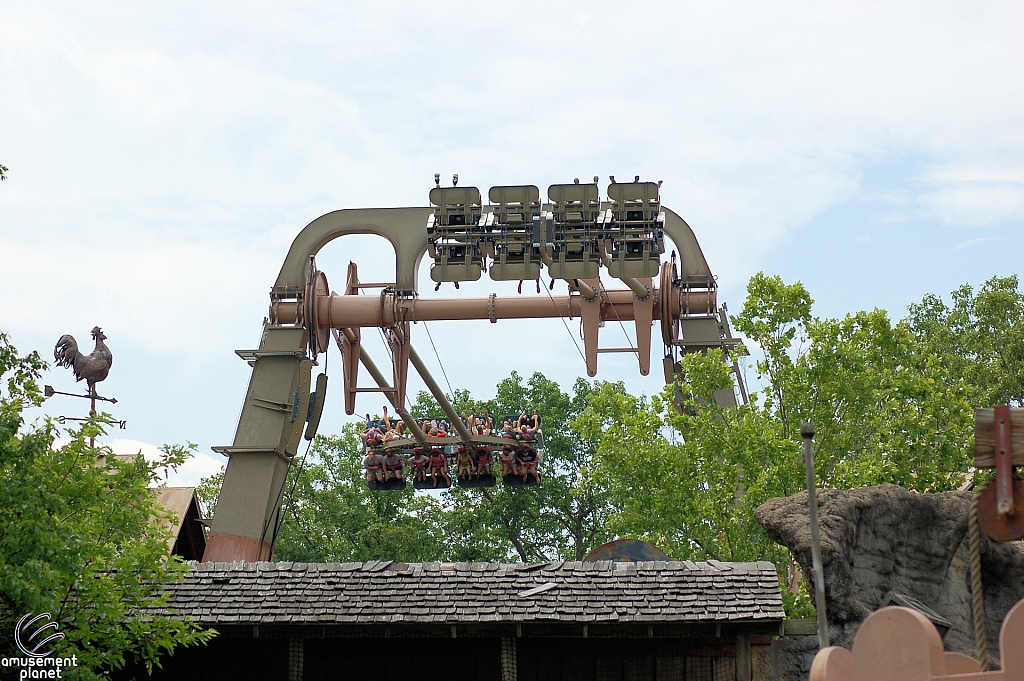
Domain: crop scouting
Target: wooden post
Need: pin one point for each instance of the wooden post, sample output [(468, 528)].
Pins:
[(744, 666), (295, 658)]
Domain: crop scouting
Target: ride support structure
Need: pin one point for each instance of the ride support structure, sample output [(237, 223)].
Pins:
[(572, 236)]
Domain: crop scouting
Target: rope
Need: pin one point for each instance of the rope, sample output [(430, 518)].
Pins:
[(443, 372), (567, 330), (977, 594)]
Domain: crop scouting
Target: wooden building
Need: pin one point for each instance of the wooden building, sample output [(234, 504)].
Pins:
[(188, 536), (596, 621)]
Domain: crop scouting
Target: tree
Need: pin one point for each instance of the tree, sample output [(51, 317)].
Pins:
[(888, 407), (980, 338), (331, 515), (563, 518), (80, 535), (694, 498)]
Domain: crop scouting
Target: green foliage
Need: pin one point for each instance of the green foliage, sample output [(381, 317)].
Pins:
[(891, 401), (330, 514), (980, 339), (694, 498), (78, 537), (887, 409), (563, 518), (208, 492), (798, 602)]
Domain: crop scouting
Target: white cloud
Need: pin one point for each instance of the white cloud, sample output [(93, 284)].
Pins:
[(972, 242), (190, 474), (198, 466), (162, 157), (975, 196)]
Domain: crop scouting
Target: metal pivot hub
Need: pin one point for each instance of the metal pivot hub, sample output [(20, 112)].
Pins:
[(319, 332), (1001, 526), (669, 324)]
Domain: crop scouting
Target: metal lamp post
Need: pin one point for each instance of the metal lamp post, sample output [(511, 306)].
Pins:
[(807, 431)]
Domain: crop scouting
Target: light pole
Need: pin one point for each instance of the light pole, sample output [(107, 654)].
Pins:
[(807, 431)]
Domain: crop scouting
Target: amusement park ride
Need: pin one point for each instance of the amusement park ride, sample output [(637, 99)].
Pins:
[(511, 237)]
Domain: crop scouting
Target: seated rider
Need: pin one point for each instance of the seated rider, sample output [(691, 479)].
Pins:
[(483, 460), (435, 428), (419, 462), (464, 463), (393, 465), (527, 460), (373, 464), (507, 458), (372, 436), (391, 432), (438, 465)]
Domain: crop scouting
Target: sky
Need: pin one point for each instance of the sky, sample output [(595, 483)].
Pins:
[(162, 156)]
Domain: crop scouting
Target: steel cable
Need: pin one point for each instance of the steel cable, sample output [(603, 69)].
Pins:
[(443, 372), (567, 329)]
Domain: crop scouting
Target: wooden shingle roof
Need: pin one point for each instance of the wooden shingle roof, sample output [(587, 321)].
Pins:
[(389, 592)]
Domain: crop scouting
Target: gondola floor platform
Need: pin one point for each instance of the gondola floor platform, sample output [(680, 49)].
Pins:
[(477, 481), (383, 486)]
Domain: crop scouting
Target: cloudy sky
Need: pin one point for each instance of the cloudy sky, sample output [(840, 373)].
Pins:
[(163, 155)]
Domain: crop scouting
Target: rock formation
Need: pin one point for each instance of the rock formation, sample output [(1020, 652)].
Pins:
[(881, 539)]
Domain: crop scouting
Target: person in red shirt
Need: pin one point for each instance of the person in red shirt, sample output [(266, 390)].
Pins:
[(483, 460), (439, 466)]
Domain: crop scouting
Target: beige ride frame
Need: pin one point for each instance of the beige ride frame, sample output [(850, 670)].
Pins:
[(303, 313)]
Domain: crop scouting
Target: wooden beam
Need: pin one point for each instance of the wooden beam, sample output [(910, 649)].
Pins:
[(985, 437)]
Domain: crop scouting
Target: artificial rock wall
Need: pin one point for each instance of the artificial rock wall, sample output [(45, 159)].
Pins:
[(884, 538)]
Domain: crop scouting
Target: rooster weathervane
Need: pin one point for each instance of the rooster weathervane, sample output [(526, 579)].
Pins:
[(91, 368)]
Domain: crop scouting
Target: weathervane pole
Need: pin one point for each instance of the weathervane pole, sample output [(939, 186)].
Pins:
[(92, 412), (807, 431)]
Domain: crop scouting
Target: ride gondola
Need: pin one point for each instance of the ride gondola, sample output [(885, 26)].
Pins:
[(514, 456), (384, 472)]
